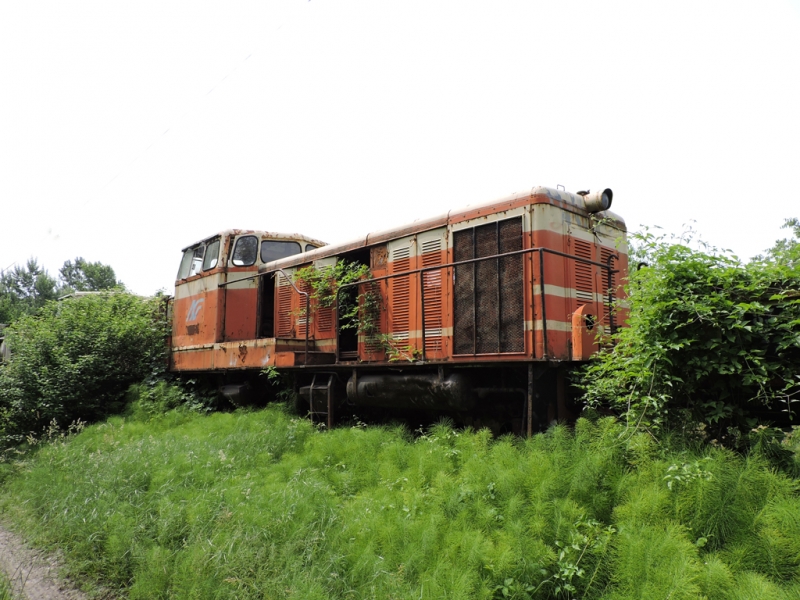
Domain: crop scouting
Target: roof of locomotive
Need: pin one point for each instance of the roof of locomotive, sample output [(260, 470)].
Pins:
[(265, 235), (555, 196)]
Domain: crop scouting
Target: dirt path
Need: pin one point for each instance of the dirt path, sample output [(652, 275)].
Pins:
[(33, 574)]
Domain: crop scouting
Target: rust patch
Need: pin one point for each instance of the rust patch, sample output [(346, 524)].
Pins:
[(243, 353), (192, 329), (379, 257)]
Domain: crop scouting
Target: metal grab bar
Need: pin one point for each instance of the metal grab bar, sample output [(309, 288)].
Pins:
[(607, 266)]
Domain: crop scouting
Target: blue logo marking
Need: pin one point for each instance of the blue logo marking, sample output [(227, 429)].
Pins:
[(194, 309)]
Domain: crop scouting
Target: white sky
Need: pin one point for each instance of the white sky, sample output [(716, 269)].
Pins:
[(132, 129)]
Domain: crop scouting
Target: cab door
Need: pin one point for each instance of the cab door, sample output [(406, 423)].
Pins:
[(241, 289)]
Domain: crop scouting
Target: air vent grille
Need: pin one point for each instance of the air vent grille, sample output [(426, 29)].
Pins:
[(608, 299), (284, 328), (584, 285), (432, 294), (400, 293)]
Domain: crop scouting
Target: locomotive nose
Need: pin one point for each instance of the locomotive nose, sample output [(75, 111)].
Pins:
[(599, 200)]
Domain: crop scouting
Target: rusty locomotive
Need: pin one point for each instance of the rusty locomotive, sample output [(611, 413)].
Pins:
[(477, 313)]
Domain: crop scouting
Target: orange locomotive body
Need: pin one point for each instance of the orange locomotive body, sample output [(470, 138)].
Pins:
[(477, 312)]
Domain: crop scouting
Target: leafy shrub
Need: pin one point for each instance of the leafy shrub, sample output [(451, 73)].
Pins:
[(75, 359), (709, 338)]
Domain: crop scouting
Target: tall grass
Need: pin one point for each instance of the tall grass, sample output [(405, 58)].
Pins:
[(262, 505), (6, 591)]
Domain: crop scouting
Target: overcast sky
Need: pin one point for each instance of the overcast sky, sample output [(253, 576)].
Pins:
[(132, 129)]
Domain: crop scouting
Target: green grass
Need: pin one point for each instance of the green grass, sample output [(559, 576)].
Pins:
[(5, 588), (262, 505)]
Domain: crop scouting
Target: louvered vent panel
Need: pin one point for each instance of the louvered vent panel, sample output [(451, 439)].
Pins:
[(400, 293), (302, 317), (284, 328), (432, 291), (584, 285), (325, 319), (608, 301)]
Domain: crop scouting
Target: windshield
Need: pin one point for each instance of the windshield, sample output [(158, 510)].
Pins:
[(245, 252), (274, 249)]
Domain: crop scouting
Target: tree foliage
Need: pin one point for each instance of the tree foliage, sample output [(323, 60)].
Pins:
[(710, 339), (85, 276), (75, 359), (25, 289)]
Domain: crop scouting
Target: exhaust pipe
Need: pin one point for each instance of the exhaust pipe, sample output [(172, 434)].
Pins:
[(597, 201)]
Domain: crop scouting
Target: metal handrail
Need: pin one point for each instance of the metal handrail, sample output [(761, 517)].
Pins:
[(421, 271)]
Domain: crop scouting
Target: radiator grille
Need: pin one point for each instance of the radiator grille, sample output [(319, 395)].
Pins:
[(512, 333), (432, 294), (464, 293), (489, 294)]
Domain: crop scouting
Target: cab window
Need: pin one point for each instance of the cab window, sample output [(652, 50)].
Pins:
[(275, 249), (212, 255), (245, 251), (197, 260), (186, 264), (310, 247)]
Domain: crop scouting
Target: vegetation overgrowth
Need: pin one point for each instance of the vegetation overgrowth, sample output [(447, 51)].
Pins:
[(26, 289), (74, 360), (710, 341), (260, 504)]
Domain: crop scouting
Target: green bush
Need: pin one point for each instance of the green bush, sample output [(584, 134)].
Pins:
[(75, 359), (710, 341)]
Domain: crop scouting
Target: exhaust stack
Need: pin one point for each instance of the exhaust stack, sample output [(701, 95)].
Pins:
[(597, 201)]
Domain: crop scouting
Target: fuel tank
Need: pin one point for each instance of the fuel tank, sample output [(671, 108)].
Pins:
[(425, 391)]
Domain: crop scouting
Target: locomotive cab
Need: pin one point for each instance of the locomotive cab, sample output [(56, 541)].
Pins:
[(216, 291)]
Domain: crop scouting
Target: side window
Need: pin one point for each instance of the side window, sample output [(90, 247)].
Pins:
[(197, 260), (186, 264), (212, 255), (274, 249), (310, 247), (245, 251)]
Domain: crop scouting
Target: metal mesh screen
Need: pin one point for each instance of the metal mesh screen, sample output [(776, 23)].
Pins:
[(489, 294), (512, 330), (464, 293)]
